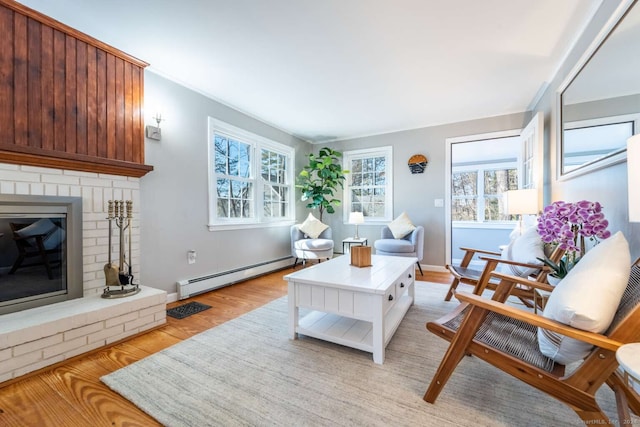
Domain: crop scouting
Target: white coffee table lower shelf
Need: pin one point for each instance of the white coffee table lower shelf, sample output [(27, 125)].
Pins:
[(352, 332), (355, 307)]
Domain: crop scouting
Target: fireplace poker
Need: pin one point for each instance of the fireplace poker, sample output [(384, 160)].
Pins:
[(129, 216), (110, 271)]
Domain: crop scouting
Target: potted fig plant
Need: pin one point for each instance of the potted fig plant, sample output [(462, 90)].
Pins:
[(320, 178)]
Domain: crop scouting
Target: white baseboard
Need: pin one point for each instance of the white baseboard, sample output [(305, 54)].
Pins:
[(229, 279), (190, 287), (434, 268)]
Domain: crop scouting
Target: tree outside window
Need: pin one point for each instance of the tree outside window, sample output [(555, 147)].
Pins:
[(233, 178), (276, 191), (369, 186), (251, 178), (477, 195), (464, 195), (496, 182)]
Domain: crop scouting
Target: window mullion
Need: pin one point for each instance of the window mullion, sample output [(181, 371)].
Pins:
[(480, 195)]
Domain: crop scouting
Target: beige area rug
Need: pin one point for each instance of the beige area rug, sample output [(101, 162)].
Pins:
[(248, 372)]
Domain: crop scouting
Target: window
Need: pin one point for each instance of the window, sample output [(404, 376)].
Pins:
[(369, 186), (251, 178), (234, 183), (464, 195), (587, 141), (477, 194), (496, 182), (276, 191)]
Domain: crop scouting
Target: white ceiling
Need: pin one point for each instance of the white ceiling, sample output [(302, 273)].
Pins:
[(334, 69)]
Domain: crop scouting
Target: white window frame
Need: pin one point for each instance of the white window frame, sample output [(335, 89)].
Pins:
[(257, 143), (347, 157), (610, 159), (447, 187), (480, 169)]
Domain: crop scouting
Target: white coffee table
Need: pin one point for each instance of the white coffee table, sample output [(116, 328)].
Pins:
[(352, 306)]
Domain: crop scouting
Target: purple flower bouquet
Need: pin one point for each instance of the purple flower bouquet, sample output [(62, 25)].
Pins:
[(566, 225)]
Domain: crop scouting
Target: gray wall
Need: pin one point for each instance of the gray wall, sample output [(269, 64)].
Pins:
[(174, 196), (608, 185), (489, 239), (415, 194), (618, 106)]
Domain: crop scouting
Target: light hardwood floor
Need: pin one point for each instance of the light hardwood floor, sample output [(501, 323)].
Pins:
[(72, 394)]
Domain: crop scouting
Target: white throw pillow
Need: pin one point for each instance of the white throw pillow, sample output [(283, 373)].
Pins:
[(587, 298), (401, 226), (312, 227), (525, 248)]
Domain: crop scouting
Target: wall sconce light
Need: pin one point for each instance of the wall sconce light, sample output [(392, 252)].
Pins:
[(154, 132), (633, 173), (356, 218)]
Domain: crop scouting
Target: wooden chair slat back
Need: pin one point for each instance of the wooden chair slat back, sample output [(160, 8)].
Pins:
[(626, 322)]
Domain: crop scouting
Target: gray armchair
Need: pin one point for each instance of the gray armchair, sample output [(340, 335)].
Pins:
[(411, 245), (304, 248)]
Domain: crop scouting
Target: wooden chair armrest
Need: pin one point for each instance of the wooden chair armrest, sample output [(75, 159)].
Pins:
[(520, 264), (598, 340), (522, 281), (480, 251)]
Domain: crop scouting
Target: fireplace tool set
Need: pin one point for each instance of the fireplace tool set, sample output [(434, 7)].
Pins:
[(119, 278)]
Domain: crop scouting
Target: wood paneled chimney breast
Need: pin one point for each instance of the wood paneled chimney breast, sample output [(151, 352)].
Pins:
[(67, 100)]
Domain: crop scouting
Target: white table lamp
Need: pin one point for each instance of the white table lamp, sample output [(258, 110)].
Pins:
[(356, 218), (521, 202), (633, 174)]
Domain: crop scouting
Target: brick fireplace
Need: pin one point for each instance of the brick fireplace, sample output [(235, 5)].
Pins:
[(35, 338)]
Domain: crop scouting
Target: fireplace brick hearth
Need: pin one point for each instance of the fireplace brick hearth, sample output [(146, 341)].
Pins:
[(40, 337)]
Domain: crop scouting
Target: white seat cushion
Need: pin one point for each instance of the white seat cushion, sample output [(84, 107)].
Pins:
[(314, 244), (394, 246)]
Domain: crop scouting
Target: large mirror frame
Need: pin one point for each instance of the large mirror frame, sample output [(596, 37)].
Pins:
[(596, 83)]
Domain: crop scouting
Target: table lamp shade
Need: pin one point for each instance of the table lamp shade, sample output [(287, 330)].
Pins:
[(522, 202), (356, 218), (633, 173)]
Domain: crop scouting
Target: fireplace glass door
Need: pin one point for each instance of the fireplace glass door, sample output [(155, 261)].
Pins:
[(33, 262)]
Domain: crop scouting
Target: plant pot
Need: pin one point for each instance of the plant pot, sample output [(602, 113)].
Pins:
[(553, 280)]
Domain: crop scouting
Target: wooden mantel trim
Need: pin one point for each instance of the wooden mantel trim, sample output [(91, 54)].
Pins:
[(47, 20), (22, 156)]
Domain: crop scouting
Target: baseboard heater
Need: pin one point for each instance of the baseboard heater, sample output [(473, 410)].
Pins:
[(190, 287)]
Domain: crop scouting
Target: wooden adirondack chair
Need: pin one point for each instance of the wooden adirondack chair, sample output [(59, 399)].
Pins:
[(481, 279), (34, 246), (506, 337)]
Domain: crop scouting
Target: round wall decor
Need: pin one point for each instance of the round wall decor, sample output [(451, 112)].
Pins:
[(417, 163)]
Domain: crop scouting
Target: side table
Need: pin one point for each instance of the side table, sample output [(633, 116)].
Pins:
[(350, 241), (628, 357)]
